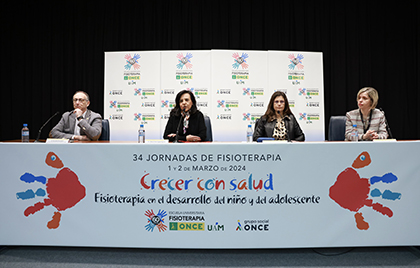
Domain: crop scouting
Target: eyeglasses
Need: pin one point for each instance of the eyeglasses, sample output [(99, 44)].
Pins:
[(79, 100), (281, 102)]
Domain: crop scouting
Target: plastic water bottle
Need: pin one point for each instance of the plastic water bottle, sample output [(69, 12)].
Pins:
[(354, 136), (25, 133), (142, 134), (249, 134)]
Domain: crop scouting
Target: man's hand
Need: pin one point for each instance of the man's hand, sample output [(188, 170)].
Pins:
[(78, 112), (81, 138)]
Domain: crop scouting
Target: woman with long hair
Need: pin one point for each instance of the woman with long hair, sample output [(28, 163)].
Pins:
[(186, 122), (278, 122)]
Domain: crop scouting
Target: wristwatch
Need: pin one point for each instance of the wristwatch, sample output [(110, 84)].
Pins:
[(80, 117)]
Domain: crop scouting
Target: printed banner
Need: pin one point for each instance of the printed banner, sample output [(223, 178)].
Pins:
[(184, 70), (300, 76), (132, 94), (239, 92), (275, 195), (232, 87)]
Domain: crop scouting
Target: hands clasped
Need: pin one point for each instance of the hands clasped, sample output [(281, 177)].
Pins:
[(370, 135)]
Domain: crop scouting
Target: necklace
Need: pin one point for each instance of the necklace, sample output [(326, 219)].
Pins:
[(363, 122)]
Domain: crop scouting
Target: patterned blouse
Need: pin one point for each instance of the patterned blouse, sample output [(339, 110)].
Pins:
[(280, 131)]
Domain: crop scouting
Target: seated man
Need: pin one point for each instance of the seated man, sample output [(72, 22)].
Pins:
[(80, 124)]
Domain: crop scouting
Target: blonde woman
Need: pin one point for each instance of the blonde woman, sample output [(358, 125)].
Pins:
[(370, 121)]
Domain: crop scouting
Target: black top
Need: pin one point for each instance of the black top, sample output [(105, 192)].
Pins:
[(196, 126), (266, 129)]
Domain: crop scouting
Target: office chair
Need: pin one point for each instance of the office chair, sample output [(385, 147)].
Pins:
[(337, 128), (209, 133), (105, 130)]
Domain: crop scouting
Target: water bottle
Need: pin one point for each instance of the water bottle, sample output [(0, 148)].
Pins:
[(249, 134), (142, 134), (25, 133), (354, 136)]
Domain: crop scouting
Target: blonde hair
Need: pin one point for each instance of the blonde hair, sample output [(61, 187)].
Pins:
[(372, 93)]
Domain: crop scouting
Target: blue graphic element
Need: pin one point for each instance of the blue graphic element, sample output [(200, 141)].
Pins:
[(184, 61), (387, 178), (375, 193), (149, 227), (387, 194), (240, 60), (296, 61), (132, 61), (29, 194), (29, 178), (161, 214)]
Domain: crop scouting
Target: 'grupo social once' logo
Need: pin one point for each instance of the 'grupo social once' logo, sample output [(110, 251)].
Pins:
[(254, 225)]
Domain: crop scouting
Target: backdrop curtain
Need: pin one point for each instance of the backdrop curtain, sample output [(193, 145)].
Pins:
[(51, 50)]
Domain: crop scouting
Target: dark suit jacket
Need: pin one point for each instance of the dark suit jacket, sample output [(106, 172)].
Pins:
[(266, 129), (91, 126)]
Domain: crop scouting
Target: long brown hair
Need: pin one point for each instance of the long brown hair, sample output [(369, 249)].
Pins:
[(270, 114)]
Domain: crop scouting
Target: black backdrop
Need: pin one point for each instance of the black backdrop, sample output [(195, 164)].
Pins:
[(51, 50)]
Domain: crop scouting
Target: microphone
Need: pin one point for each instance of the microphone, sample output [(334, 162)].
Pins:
[(386, 124), (39, 132), (287, 134), (179, 124)]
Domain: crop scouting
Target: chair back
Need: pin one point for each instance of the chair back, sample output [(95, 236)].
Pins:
[(105, 130), (209, 133), (337, 128)]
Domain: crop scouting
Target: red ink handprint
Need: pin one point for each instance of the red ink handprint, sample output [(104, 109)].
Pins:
[(352, 192), (63, 191)]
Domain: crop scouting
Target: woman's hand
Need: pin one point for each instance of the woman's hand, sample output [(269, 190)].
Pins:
[(193, 138), (370, 135)]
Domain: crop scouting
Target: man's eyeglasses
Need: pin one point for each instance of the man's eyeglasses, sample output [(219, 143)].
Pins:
[(79, 100)]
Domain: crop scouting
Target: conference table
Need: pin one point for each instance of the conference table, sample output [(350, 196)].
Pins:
[(210, 195)]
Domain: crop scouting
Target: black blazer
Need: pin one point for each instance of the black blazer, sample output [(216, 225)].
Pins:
[(266, 129), (196, 126)]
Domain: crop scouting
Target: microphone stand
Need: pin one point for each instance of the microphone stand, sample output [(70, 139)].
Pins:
[(386, 124), (39, 132), (177, 129)]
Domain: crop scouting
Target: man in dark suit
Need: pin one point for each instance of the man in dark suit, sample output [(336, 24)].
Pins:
[(81, 123)]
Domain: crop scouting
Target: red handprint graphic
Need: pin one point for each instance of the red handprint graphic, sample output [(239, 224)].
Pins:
[(352, 192), (63, 192)]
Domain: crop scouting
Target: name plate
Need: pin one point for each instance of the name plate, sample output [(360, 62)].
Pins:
[(57, 140)]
